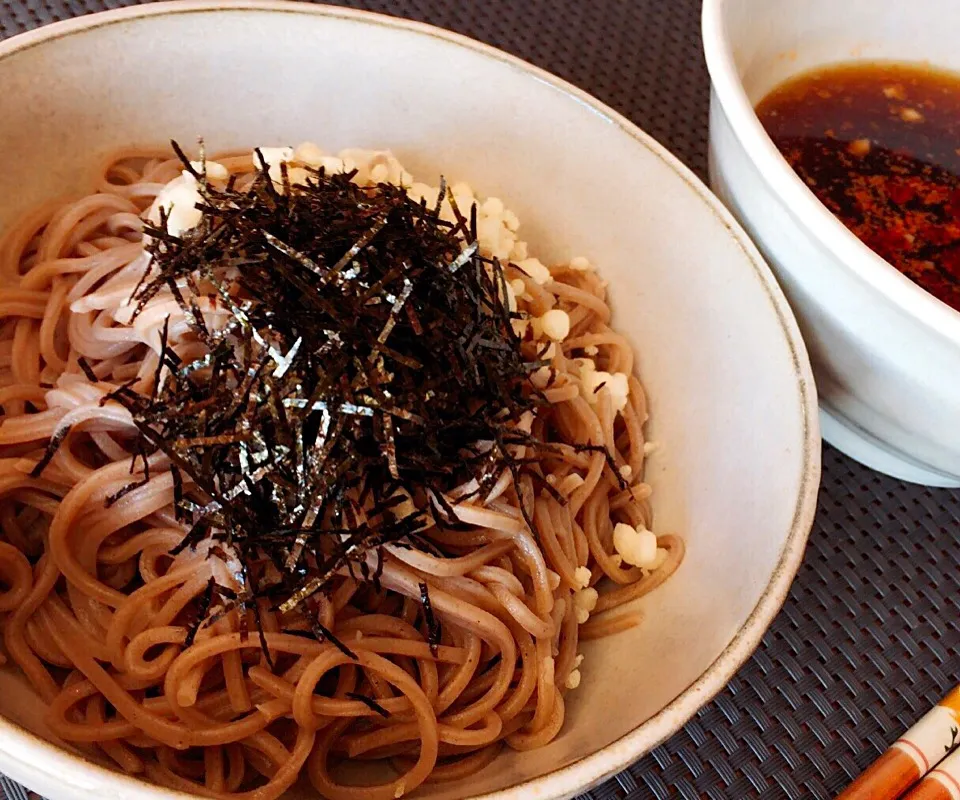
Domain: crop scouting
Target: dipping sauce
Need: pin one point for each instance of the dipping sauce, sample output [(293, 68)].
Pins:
[(879, 144)]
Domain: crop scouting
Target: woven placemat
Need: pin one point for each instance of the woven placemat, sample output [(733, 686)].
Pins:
[(869, 636)]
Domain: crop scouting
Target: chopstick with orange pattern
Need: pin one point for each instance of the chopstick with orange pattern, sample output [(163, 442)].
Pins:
[(941, 783), (913, 756)]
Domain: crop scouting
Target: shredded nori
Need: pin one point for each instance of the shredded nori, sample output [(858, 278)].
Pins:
[(322, 633), (367, 359), (113, 498), (87, 370), (433, 627), (53, 445), (370, 703), (202, 609)]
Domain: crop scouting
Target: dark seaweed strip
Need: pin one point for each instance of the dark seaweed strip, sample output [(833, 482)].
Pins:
[(433, 627), (296, 632), (462, 224), (321, 634), (608, 458), (194, 536), (544, 484), (177, 492), (262, 634), (150, 230), (124, 391), (360, 244), (390, 446), (154, 438), (185, 307), (525, 512), (87, 370), (184, 160), (133, 459), (203, 608), (244, 626), (378, 572), (441, 194), (52, 446), (295, 255), (111, 499), (370, 703), (161, 361), (447, 513)]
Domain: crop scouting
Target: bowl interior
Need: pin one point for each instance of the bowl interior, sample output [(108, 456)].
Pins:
[(774, 41), (730, 394)]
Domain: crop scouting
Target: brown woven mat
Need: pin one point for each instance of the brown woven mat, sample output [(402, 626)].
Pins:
[(868, 639)]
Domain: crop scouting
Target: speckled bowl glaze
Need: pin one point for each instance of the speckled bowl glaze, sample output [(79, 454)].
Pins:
[(732, 399)]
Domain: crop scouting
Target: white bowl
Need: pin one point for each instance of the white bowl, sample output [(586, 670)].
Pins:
[(886, 353), (731, 392)]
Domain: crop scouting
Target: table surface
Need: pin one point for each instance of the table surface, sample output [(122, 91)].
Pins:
[(868, 637)]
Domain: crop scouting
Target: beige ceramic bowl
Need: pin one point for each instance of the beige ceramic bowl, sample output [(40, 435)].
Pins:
[(731, 394)]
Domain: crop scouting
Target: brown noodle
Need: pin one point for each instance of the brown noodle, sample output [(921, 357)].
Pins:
[(94, 610)]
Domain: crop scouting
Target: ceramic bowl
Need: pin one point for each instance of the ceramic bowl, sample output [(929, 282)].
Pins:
[(732, 399), (886, 354)]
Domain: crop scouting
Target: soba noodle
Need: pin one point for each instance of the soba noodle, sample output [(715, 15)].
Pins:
[(94, 609)]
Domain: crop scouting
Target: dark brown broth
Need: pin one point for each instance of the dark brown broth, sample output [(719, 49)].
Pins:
[(879, 145)]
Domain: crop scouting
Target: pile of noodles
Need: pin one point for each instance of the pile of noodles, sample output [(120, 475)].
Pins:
[(95, 611)]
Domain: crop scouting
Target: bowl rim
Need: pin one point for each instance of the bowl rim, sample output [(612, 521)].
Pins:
[(798, 198), (590, 770)]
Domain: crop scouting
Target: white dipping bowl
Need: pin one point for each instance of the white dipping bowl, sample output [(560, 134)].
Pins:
[(886, 354), (732, 398)]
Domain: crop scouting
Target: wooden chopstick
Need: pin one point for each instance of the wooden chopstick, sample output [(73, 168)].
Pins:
[(912, 756), (941, 783)]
